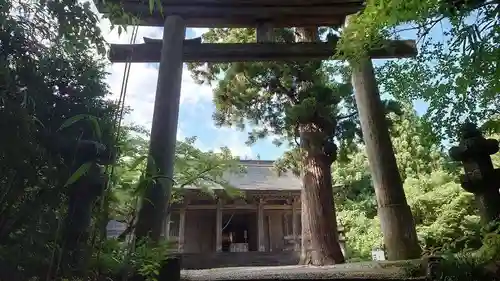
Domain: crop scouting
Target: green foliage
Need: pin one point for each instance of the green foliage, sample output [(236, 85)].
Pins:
[(81, 171), (111, 257), (456, 70), (366, 29), (363, 233), (117, 259), (49, 72), (445, 214), (202, 169), (148, 260), (276, 98), (84, 117), (464, 267), (457, 75), (281, 95), (50, 87), (480, 264), (446, 219), (416, 146), (193, 168)]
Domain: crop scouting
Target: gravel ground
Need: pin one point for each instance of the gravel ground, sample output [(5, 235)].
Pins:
[(352, 271)]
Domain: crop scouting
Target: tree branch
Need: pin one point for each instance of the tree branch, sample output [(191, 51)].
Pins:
[(427, 30), (346, 116), (198, 176), (279, 85)]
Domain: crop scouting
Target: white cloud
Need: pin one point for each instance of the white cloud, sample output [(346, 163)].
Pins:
[(239, 149), (235, 141), (141, 87), (141, 90)]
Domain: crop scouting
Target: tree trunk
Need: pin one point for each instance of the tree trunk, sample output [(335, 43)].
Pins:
[(320, 245)]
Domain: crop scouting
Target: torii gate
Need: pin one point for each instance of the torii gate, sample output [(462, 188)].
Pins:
[(173, 50)]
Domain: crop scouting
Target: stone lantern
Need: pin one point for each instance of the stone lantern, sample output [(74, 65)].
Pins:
[(480, 177)]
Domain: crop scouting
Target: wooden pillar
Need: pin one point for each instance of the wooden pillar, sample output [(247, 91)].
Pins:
[(264, 33), (218, 227), (396, 219), (342, 240), (395, 215), (163, 129), (269, 234), (260, 226), (166, 234), (182, 226), (295, 226)]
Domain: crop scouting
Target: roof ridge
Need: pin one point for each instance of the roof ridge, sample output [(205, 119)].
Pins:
[(258, 162)]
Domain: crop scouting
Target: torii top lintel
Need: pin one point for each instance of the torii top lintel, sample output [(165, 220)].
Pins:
[(241, 13)]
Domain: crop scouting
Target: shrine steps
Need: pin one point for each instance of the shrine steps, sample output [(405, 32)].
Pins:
[(243, 259)]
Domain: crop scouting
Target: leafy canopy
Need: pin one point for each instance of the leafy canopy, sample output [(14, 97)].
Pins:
[(456, 71), (275, 97)]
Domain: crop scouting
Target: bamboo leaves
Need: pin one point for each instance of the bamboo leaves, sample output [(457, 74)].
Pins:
[(49, 72), (80, 172), (83, 117), (140, 160)]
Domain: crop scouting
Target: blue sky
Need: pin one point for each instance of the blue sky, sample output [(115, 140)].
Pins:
[(196, 109)]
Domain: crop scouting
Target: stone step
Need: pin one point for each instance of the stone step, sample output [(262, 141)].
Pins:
[(298, 273), (232, 259)]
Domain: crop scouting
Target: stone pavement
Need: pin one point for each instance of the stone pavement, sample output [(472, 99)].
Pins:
[(410, 270)]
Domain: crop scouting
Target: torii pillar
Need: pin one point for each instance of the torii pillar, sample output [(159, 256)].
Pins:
[(396, 219), (163, 129)]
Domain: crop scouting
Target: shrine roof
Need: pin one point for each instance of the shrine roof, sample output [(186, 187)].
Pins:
[(260, 175), (238, 13)]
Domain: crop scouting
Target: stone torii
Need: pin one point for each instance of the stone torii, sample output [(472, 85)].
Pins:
[(173, 50)]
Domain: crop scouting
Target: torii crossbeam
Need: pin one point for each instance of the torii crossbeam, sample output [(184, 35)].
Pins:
[(195, 51)]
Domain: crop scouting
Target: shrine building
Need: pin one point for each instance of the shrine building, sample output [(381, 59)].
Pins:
[(260, 227)]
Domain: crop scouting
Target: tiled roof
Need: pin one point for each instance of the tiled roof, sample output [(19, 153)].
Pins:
[(260, 175)]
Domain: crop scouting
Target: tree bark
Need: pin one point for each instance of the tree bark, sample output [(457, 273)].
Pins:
[(320, 243)]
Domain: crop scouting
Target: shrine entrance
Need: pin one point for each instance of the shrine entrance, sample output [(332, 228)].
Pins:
[(264, 15), (238, 232)]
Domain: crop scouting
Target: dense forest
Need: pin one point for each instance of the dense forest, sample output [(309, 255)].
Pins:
[(69, 164)]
